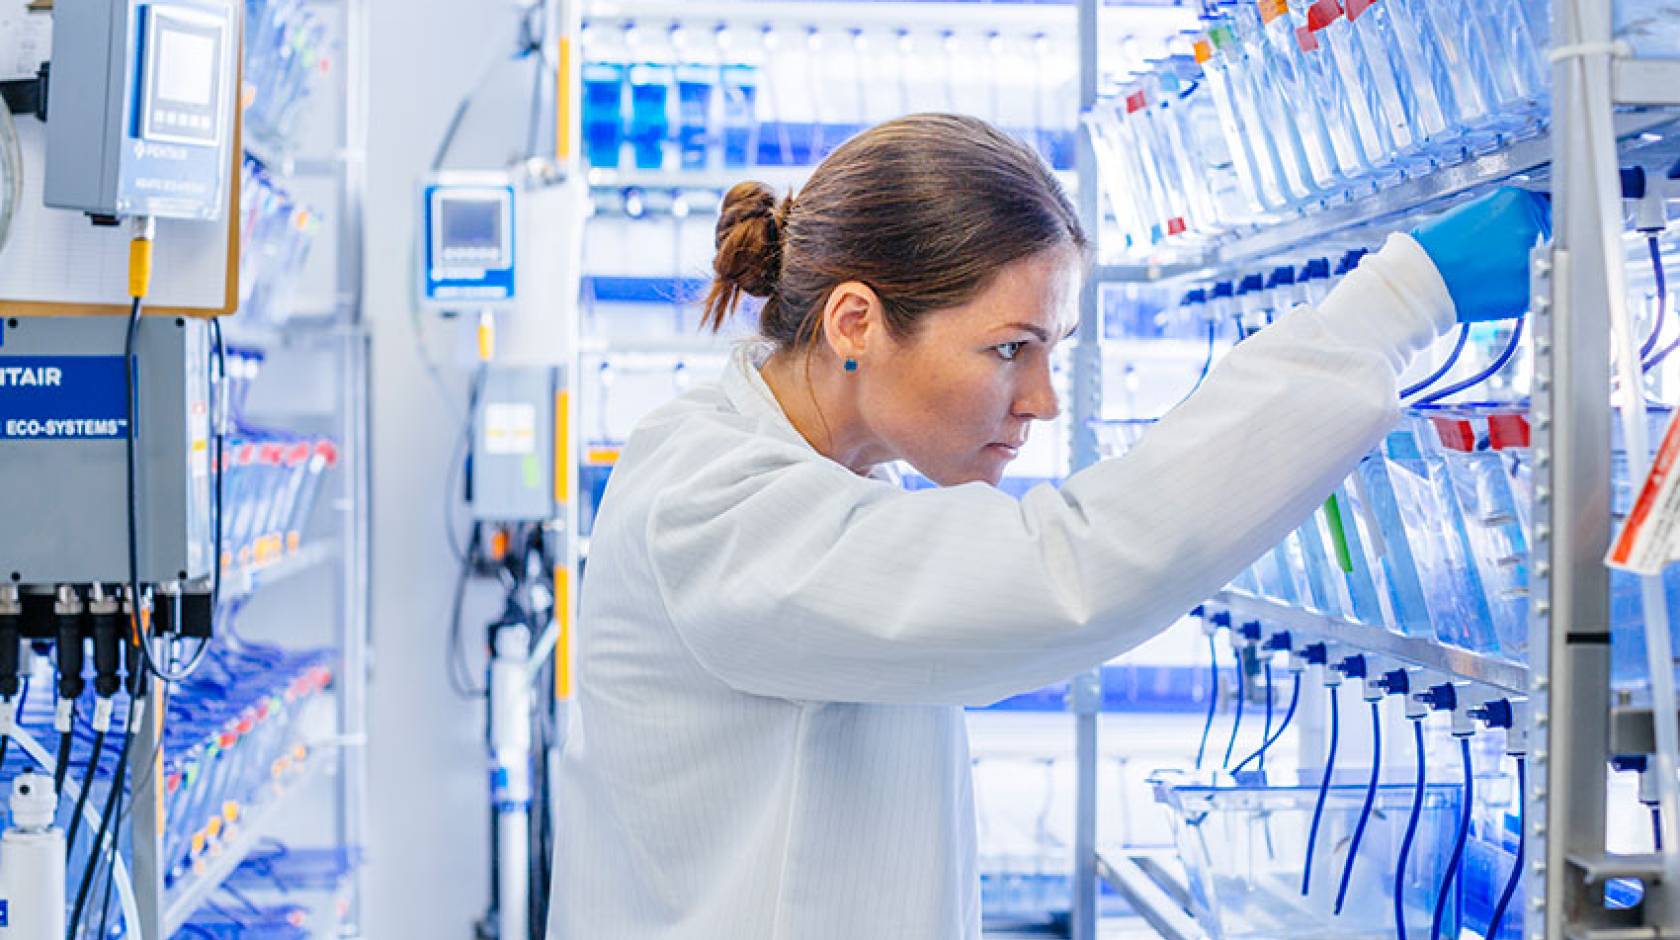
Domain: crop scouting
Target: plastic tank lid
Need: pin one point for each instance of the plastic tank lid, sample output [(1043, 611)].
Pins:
[(1250, 284), (1315, 269), (1221, 289), (1282, 276), (1197, 296)]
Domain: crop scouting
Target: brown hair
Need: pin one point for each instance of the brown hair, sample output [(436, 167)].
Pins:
[(924, 209)]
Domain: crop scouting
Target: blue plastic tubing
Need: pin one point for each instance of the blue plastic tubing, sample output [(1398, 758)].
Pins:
[(1236, 722), (1466, 799), (1271, 739), (1213, 699), (1411, 833), (1364, 812), (1323, 790), (1517, 863), (1443, 369), (1482, 376)]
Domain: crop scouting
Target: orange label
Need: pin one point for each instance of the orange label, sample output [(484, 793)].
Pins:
[(1203, 50), (1272, 9)]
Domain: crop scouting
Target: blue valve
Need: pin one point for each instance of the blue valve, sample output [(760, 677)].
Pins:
[(1222, 619), (1198, 611), (1629, 763), (1496, 713), (1441, 698), (1251, 631), (1633, 182), (1395, 682), (1353, 666), (1316, 654), (1279, 642)]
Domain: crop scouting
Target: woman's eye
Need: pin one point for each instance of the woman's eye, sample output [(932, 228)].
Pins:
[(1008, 351)]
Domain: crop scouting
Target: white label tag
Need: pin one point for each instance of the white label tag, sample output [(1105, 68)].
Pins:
[(510, 428), (1647, 540)]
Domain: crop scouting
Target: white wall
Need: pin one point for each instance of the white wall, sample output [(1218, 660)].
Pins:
[(428, 870)]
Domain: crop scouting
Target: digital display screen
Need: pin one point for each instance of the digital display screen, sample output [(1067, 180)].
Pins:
[(472, 223), (186, 67)]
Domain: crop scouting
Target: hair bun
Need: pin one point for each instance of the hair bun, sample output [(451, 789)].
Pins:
[(749, 239)]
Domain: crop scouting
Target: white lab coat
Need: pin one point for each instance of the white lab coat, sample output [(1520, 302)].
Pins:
[(773, 651)]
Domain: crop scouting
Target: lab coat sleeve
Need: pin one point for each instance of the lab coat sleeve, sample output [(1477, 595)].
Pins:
[(803, 581)]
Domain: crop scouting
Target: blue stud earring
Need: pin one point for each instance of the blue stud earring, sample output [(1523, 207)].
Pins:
[(851, 365)]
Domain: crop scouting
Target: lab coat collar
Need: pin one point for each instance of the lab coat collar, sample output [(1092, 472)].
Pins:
[(747, 391)]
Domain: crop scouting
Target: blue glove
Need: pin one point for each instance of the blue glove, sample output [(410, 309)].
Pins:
[(1481, 249)]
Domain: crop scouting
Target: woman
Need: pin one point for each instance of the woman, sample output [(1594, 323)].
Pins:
[(776, 640)]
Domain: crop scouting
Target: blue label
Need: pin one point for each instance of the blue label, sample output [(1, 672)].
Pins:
[(60, 398)]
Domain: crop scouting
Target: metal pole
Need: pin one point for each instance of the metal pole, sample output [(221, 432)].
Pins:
[(1569, 627), (354, 579), (1085, 695), (147, 822)]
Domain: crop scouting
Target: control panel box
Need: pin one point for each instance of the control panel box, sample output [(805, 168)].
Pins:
[(63, 470), (141, 112), (467, 251), (514, 457)]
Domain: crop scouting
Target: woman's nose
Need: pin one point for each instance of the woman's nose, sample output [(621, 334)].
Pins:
[(1036, 399)]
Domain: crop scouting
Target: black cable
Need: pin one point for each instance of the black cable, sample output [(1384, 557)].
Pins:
[(458, 461), (62, 767), (130, 440), (105, 820), (460, 675), (6, 739), (218, 389), (82, 797)]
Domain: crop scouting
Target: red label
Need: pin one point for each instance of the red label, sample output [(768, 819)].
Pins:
[(1661, 467), (1136, 101), (327, 451), (1306, 39), (297, 455), (1455, 433), (270, 454), (1356, 8), (1322, 14), (1175, 225), (1507, 431), (246, 455)]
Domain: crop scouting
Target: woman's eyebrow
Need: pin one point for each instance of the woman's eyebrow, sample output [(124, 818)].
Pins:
[(1043, 336)]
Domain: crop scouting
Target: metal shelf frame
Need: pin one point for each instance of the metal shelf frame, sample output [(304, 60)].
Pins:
[(1424, 652), (187, 897), (1572, 726), (341, 335)]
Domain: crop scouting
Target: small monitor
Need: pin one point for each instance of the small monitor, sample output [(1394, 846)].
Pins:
[(468, 242), (182, 72), (474, 231)]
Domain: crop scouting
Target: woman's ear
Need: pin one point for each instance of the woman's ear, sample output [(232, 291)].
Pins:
[(854, 322)]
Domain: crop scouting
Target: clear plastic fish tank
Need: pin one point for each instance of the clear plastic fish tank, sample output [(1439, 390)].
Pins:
[(1244, 850)]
